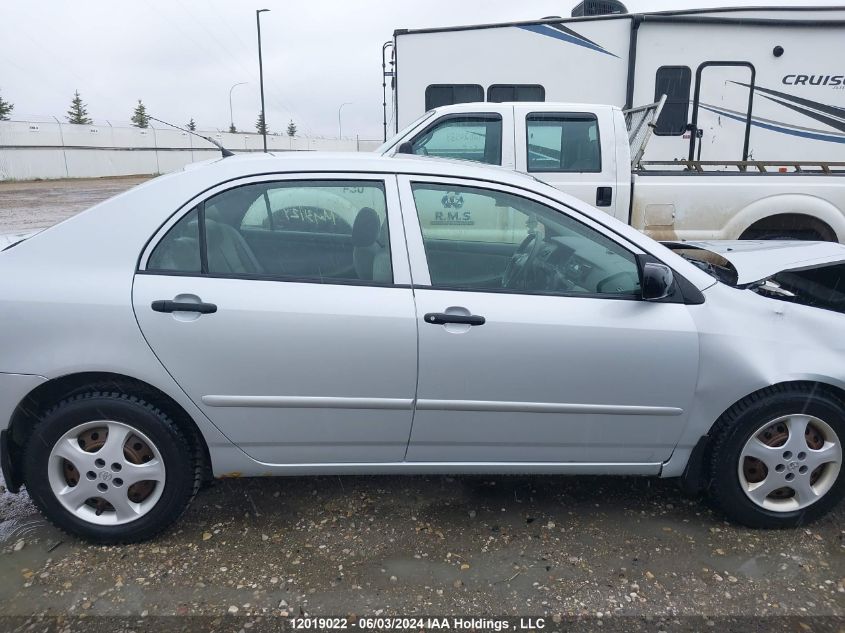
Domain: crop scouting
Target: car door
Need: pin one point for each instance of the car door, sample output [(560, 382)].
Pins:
[(572, 151), (561, 362), (281, 306)]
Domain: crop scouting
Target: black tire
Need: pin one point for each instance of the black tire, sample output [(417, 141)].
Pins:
[(183, 468), (736, 427), (807, 236)]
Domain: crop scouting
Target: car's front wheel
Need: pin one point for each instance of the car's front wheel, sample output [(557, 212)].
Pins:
[(776, 459), (110, 467)]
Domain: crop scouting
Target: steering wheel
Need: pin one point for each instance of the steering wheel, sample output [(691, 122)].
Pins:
[(521, 260), (621, 281)]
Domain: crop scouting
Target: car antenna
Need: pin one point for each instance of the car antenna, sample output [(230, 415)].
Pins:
[(226, 153)]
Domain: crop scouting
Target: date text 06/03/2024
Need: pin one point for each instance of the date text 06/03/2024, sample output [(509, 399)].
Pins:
[(451, 623)]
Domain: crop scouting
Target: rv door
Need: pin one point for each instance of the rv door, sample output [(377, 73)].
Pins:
[(572, 151)]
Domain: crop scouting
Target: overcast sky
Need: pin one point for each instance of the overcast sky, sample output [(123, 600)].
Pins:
[(182, 56)]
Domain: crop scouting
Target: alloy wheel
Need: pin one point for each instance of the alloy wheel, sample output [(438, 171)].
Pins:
[(790, 463), (106, 472)]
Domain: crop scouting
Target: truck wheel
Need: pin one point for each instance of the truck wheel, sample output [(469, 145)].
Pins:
[(776, 458), (110, 468), (808, 235)]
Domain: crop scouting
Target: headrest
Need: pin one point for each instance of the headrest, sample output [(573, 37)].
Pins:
[(366, 227), (212, 213), (213, 233)]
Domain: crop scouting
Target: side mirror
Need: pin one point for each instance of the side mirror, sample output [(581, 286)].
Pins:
[(658, 282), (405, 148)]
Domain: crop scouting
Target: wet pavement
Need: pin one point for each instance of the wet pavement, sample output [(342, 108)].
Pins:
[(374, 546)]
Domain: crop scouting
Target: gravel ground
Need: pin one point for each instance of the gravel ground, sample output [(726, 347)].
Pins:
[(431, 545), (37, 204), (370, 546)]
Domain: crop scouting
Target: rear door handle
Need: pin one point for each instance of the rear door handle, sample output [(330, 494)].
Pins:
[(441, 318), (604, 196), (168, 305)]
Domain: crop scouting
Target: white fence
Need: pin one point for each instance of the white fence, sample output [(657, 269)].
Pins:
[(33, 150)]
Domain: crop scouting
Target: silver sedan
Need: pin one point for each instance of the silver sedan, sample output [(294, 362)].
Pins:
[(333, 314)]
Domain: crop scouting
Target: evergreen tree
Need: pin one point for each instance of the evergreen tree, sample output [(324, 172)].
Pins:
[(5, 109), (260, 125), (291, 128), (232, 129), (139, 116), (78, 113), (191, 125)]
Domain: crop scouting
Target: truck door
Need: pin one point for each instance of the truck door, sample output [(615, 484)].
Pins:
[(721, 111), (572, 151)]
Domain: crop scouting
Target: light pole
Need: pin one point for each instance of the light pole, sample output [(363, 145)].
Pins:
[(231, 118), (384, 74), (258, 13), (339, 125)]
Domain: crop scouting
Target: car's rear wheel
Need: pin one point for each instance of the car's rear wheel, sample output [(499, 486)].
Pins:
[(776, 460), (110, 467)]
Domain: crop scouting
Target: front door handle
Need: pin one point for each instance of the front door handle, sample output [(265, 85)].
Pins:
[(168, 305), (441, 318)]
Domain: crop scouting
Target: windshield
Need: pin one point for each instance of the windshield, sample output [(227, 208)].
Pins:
[(393, 140)]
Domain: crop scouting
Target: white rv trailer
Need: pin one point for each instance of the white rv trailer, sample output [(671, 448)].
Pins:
[(762, 83)]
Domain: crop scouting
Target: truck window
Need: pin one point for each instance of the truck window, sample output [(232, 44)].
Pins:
[(502, 93), (448, 94), (674, 82), (471, 137), (563, 142)]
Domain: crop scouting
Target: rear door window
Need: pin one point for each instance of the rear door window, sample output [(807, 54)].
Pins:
[(567, 142), (321, 230)]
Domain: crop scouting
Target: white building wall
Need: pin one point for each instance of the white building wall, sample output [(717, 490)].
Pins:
[(38, 150)]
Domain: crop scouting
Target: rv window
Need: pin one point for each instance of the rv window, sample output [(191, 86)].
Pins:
[(472, 137), (501, 93), (674, 82), (563, 142), (444, 94)]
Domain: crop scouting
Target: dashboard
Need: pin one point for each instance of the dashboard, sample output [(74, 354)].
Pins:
[(572, 263)]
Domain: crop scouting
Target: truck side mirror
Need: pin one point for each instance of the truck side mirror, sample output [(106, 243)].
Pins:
[(405, 148), (658, 282)]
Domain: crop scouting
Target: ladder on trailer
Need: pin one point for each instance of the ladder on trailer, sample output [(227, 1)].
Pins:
[(641, 122)]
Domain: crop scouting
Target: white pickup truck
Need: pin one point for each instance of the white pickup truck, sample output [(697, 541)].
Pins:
[(586, 150)]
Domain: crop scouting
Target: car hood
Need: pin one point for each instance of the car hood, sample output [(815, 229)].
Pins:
[(757, 260), (7, 239)]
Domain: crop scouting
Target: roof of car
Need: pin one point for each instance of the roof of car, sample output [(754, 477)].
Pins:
[(338, 162)]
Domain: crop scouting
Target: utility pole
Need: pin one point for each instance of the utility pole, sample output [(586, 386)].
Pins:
[(384, 75), (258, 13)]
